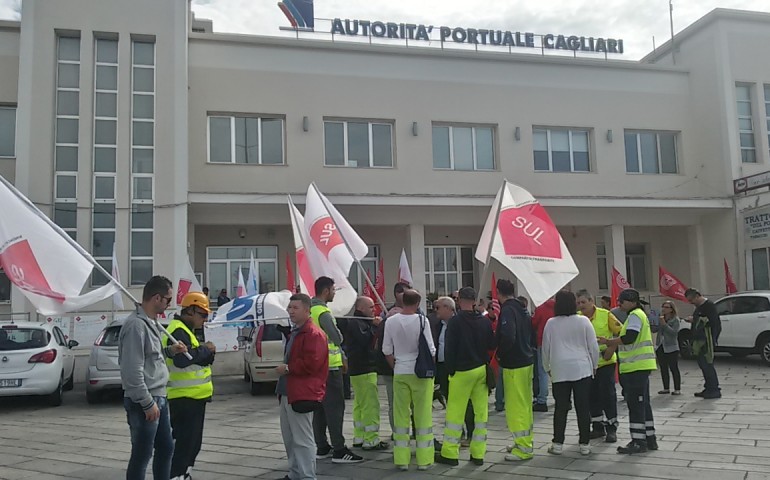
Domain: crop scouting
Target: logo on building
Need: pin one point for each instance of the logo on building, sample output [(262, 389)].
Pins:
[(299, 13)]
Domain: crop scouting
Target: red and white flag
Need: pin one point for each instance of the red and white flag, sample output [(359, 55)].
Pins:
[(619, 283), (240, 290), (729, 283), (671, 286), (404, 273), (306, 278), (48, 269), (522, 237), (495, 301), (290, 281), (187, 282), (379, 282)]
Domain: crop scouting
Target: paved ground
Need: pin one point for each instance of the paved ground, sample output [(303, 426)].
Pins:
[(726, 439)]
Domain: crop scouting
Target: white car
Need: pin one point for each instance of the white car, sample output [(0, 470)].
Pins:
[(35, 359), (262, 353), (745, 325)]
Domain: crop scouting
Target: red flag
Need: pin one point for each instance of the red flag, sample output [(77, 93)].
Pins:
[(671, 286), (379, 282), (367, 292), (290, 283), (619, 283), (495, 301), (729, 283)]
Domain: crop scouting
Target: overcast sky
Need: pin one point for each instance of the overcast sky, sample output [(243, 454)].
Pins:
[(635, 21)]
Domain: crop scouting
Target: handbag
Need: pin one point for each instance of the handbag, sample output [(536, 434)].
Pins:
[(424, 366)]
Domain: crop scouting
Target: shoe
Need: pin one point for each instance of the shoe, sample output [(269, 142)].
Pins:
[(515, 458), (422, 468), (344, 455), (611, 437), (712, 395), (452, 462), (676, 392), (358, 445), (465, 442), (403, 468), (539, 407), (323, 452), (500, 409), (285, 478), (597, 434), (585, 449), (665, 391), (699, 394), (652, 443), (632, 448), (477, 461), (377, 446), (556, 448)]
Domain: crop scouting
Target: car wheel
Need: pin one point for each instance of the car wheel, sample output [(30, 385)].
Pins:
[(93, 397), (70, 383), (256, 388), (764, 349), (684, 345), (55, 398)]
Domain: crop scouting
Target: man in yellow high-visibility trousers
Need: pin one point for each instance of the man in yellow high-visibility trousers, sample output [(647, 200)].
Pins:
[(515, 355), (469, 338)]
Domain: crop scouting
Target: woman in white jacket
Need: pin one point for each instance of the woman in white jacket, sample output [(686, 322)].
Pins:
[(570, 356)]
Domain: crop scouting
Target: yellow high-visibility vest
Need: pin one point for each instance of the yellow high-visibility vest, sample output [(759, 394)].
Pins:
[(193, 381), (335, 352), (600, 322), (640, 355)]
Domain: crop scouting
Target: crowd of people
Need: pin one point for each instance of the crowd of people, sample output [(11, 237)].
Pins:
[(454, 357)]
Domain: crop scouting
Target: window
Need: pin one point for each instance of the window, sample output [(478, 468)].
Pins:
[(358, 144), (142, 160), (760, 270), (601, 265), (66, 147), (369, 263), (636, 265), (5, 287), (224, 263), (254, 140), (105, 148), (651, 152), (559, 150), (745, 123), (448, 268), (7, 131), (457, 147)]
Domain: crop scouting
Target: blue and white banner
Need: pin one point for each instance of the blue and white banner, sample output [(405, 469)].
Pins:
[(245, 311)]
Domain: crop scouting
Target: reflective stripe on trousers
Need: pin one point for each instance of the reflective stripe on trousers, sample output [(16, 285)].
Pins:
[(518, 409), (464, 386), (366, 409), (408, 391)]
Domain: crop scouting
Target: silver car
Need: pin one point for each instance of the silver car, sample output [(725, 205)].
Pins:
[(103, 372)]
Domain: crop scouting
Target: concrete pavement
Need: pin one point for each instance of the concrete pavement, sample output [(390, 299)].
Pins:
[(725, 439)]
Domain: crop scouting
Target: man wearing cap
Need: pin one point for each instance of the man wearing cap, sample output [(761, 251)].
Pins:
[(189, 382), (636, 355)]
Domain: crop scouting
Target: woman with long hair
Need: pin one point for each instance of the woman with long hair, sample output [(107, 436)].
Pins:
[(667, 348), (570, 356)]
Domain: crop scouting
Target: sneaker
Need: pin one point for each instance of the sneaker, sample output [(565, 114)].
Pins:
[(699, 394), (597, 434), (465, 442), (665, 391), (557, 448), (323, 452), (344, 455), (539, 407), (633, 447), (403, 468), (452, 462), (611, 437), (477, 461), (676, 392), (358, 445), (515, 458), (422, 468), (377, 446), (712, 395), (652, 442), (585, 449)]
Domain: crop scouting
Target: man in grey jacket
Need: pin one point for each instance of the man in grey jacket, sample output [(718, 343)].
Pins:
[(144, 375)]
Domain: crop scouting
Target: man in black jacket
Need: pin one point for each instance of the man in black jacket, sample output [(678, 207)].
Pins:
[(706, 327), (515, 355), (469, 338), (360, 338)]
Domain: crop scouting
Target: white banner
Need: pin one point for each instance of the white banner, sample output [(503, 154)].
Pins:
[(88, 327)]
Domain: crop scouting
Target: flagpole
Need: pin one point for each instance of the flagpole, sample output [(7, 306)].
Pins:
[(492, 240), (82, 251), (350, 250)]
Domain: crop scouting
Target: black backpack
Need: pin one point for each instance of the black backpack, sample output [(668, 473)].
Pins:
[(425, 366)]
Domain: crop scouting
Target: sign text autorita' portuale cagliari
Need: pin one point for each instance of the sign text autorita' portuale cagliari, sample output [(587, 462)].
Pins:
[(475, 36)]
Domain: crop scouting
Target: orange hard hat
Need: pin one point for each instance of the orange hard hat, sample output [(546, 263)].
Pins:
[(196, 299)]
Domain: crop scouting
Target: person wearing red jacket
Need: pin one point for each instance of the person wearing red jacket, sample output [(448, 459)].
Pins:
[(541, 316), (301, 387)]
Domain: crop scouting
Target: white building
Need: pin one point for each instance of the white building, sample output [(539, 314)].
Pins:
[(135, 123)]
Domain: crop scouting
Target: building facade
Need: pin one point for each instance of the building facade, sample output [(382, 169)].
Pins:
[(134, 124)]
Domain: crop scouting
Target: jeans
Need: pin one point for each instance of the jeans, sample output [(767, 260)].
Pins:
[(146, 437), (331, 414), (580, 391), (542, 379), (709, 374), (669, 361), (500, 391)]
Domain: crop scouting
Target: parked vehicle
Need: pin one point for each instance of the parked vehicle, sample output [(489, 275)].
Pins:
[(103, 373), (263, 352), (35, 359), (745, 325)]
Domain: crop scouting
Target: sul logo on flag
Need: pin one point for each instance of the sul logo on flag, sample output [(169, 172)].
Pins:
[(24, 271), (325, 235), (529, 231)]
